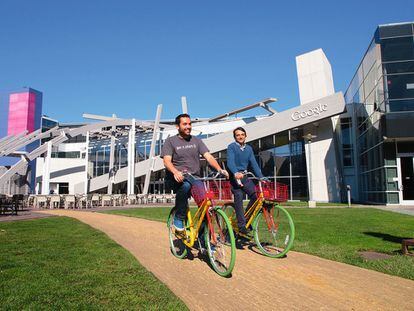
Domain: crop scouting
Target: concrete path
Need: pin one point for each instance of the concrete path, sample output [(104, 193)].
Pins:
[(407, 210), (298, 282), (23, 215)]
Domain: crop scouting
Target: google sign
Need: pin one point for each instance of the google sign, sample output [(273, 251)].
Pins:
[(315, 111)]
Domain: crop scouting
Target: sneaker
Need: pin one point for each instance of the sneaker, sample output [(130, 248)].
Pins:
[(178, 224), (244, 233), (203, 250), (213, 249)]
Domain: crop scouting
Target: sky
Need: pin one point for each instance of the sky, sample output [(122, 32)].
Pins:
[(126, 57)]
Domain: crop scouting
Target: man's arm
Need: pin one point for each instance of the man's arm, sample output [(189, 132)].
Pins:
[(231, 160), (213, 162), (178, 176), (231, 163), (253, 163)]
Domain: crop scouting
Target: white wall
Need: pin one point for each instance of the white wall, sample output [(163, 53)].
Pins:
[(314, 76), (63, 171), (316, 82)]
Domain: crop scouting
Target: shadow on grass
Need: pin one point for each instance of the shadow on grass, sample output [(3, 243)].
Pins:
[(386, 237)]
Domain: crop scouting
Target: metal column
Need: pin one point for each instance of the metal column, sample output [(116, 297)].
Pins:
[(111, 175), (152, 150), (184, 104), (86, 178), (131, 159), (46, 169)]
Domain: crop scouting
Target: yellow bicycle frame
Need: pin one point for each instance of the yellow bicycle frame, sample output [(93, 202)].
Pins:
[(251, 213), (193, 226)]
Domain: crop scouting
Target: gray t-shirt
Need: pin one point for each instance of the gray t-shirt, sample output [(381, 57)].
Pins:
[(185, 153)]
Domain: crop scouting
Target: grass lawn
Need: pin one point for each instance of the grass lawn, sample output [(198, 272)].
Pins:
[(339, 234), (60, 263)]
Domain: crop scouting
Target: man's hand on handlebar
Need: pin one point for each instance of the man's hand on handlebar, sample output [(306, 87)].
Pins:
[(238, 175), (224, 173)]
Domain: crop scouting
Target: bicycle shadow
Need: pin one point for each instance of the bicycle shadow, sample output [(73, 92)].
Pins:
[(241, 244)]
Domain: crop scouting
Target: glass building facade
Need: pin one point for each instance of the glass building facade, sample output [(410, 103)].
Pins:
[(382, 98), (280, 156)]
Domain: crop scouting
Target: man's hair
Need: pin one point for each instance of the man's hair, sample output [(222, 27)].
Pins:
[(178, 118), (238, 129)]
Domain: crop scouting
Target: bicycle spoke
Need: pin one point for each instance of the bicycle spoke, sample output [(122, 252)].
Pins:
[(177, 246), (274, 231), (221, 252)]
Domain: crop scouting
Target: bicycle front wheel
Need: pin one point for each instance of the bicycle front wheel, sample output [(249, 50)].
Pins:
[(220, 242), (177, 246), (274, 231)]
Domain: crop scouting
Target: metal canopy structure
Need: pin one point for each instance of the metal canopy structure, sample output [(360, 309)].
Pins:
[(276, 123), (112, 128), (105, 129), (265, 104)]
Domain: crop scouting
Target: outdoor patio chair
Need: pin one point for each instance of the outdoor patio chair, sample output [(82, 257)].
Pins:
[(54, 201), (118, 199), (157, 198), (31, 200), (106, 200), (95, 200), (70, 201), (41, 201), (168, 198), (132, 199), (142, 199), (84, 201)]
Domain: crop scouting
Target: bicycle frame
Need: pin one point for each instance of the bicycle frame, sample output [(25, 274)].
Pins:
[(251, 213), (195, 225)]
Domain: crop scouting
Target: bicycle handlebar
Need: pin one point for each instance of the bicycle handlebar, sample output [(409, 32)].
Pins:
[(202, 178), (253, 176)]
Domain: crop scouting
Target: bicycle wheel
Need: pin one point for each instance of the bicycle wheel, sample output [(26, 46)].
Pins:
[(274, 231), (228, 209), (177, 246), (220, 242)]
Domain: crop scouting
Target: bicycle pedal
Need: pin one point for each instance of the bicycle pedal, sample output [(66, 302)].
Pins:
[(180, 234)]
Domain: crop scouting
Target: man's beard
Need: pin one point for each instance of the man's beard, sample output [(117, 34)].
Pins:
[(183, 134)]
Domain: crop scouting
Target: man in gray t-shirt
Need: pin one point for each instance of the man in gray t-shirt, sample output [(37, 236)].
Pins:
[(185, 152), (181, 153)]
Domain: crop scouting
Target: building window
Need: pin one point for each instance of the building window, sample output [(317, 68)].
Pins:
[(64, 188), (395, 49), (346, 139), (400, 86)]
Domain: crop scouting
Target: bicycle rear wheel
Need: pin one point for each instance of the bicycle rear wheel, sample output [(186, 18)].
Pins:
[(220, 242), (274, 231), (177, 246)]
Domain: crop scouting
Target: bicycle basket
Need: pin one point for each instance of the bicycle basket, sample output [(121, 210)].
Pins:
[(199, 193), (219, 190), (274, 191)]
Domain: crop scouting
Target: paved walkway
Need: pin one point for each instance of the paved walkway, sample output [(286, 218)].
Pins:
[(298, 282), (23, 215), (407, 210)]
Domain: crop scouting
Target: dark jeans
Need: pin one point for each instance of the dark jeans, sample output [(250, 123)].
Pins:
[(183, 193), (238, 192)]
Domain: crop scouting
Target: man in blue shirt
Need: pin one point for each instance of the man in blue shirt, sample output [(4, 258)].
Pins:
[(240, 157)]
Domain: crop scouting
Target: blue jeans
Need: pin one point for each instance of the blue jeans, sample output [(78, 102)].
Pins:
[(238, 192), (183, 193)]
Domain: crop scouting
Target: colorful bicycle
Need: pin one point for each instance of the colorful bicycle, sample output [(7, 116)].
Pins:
[(272, 226), (210, 224)]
